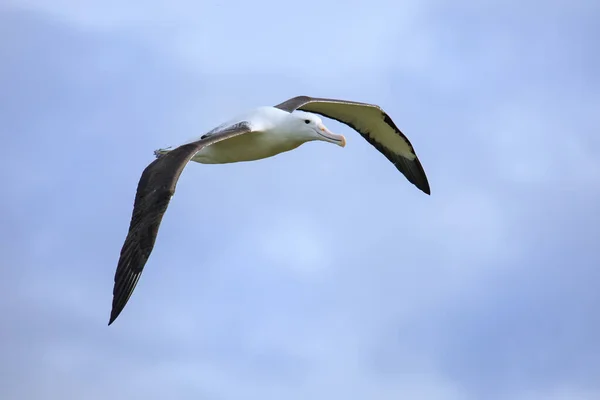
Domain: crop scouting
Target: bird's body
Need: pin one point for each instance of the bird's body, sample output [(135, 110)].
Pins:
[(251, 147), (258, 134), (272, 133)]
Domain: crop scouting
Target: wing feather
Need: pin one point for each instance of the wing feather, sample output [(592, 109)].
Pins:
[(373, 124), (155, 189)]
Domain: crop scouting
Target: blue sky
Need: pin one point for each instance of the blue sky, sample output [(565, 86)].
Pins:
[(320, 273)]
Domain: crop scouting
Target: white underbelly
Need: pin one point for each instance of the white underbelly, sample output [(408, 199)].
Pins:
[(248, 147)]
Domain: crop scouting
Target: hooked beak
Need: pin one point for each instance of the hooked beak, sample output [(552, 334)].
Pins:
[(330, 136)]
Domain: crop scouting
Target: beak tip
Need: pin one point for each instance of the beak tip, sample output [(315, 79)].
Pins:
[(338, 139)]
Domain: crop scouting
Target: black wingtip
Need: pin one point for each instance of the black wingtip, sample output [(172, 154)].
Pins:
[(114, 313), (413, 171), (423, 185), (113, 317)]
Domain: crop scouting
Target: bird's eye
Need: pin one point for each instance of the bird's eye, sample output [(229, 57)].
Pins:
[(307, 121)]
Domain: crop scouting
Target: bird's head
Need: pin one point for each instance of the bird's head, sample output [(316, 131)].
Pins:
[(310, 127)]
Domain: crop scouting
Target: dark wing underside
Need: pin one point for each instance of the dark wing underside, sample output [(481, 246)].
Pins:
[(375, 125), (155, 189)]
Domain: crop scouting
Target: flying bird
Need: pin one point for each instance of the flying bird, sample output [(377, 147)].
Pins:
[(260, 133)]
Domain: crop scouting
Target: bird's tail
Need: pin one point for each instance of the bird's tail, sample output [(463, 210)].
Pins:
[(161, 152)]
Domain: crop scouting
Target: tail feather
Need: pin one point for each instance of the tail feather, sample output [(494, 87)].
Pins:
[(161, 152)]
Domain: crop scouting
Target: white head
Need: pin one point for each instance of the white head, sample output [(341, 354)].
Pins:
[(308, 126)]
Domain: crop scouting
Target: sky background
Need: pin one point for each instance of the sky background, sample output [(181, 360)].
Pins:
[(320, 273)]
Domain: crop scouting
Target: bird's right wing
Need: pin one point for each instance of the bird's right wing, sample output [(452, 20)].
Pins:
[(155, 189), (373, 124)]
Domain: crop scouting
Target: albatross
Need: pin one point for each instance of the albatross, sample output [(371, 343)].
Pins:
[(261, 133)]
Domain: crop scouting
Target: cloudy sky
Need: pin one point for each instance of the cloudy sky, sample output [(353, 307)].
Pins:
[(320, 273)]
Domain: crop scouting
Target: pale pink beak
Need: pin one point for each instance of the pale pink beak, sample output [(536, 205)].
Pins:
[(330, 136)]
